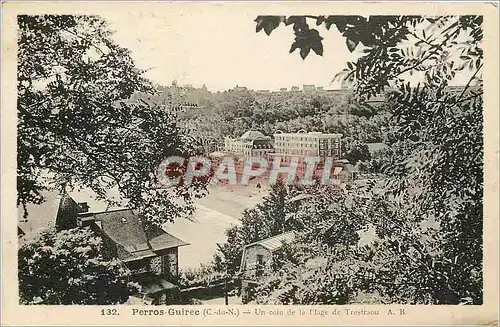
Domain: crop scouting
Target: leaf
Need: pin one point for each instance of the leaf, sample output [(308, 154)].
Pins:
[(339, 21), (293, 47), (351, 44), (320, 20), (268, 23), (259, 20), (269, 27), (304, 51), (318, 48), (295, 20)]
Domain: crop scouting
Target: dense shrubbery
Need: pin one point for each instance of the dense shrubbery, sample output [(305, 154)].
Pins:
[(78, 128), (414, 234), (204, 275), (425, 214), (67, 267)]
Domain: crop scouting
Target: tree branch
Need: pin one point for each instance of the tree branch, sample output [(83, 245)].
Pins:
[(468, 83)]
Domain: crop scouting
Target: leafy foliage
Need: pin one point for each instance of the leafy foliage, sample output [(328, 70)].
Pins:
[(67, 267), (425, 216), (269, 218), (77, 127), (232, 113), (204, 275), (356, 29), (358, 152)]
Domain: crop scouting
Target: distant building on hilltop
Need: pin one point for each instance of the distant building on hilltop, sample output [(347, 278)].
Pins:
[(240, 88), (457, 90), (345, 84), (294, 89), (376, 147), (181, 107), (308, 88)]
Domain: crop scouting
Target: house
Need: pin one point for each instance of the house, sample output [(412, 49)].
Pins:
[(308, 88), (345, 173), (240, 88), (376, 147), (151, 254), (256, 258), (250, 144)]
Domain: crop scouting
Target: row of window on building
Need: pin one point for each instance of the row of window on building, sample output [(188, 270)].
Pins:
[(254, 143)]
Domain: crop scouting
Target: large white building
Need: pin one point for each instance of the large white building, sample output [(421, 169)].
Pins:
[(252, 143), (286, 145), (302, 143)]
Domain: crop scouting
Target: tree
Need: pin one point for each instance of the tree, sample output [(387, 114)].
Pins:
[(77, 127), (427, 213), (358, 152), (67, 267), (318, 267), (268, 218)]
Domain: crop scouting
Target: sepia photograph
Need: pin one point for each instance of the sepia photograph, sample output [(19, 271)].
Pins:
[(186, 157)]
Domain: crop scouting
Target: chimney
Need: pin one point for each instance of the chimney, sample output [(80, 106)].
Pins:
[(84, 207)]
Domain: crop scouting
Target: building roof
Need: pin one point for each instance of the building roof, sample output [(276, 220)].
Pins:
[(276, 242), (272, 244), (373, 147), (349, 168), (262, 144), (254, 135), (125, 229), (67, 211), (161, 240), (302, 133)]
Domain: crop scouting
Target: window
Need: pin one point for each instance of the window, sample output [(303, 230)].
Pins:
[(259, 268), (260, 259)]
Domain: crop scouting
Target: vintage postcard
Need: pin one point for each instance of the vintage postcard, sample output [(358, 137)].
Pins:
[(249, 163)]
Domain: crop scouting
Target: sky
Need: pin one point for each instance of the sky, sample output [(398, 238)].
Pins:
[(220, 49), (223, 50)]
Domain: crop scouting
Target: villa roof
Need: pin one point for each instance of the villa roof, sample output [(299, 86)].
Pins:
[(374, 147), (254, 135), (276, 242), (125, 229), (272, 244)]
